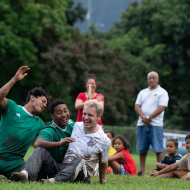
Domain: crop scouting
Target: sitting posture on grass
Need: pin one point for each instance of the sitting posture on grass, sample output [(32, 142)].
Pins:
[(122, 162), (90, 145), (180, 169), (50, 146), (110, 135), (171, 157), (112, 151), (19, 126)]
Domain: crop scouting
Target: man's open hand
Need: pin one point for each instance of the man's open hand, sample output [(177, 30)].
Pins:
[(20, 74), (66, 141)]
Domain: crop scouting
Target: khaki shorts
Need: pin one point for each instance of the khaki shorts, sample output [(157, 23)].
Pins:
[(183, 173)]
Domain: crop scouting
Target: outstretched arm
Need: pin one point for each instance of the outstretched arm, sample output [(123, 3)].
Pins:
[(102, 171), (6, 88), (41, 142)]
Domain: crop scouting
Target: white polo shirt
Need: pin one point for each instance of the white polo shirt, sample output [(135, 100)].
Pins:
[(149, 101), (88, 146)]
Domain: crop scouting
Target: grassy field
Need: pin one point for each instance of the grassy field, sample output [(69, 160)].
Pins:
[(116, 182)]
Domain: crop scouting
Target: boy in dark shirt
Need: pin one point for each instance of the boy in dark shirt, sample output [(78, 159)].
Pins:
[(170, 157)]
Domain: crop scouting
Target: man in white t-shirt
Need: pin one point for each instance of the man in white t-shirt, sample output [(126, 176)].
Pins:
[(150, 105), (91, 144)]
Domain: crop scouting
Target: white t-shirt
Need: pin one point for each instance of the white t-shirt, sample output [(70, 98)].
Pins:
[(88, 146), (149, 101)]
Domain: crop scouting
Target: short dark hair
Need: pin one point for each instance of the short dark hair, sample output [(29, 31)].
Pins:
[(55, 103), (38, 92), (187, 137), (108, 131), (175, 141), (90, 76), (124, 141)]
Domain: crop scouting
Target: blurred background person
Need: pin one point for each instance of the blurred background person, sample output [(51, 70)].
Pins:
[(112, 150), (89, 94)]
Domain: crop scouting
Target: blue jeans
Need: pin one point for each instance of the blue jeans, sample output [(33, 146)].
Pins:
[(147, 136)]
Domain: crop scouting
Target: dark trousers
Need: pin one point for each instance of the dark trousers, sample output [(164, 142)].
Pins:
[(41, 165)]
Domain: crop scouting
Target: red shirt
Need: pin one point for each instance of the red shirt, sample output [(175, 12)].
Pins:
[(130, 165), (82, 97)]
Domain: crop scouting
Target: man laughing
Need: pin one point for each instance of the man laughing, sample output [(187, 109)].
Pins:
[(50, 146)]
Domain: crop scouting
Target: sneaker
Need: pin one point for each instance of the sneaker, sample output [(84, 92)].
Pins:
[(139, 173), (18, 176)]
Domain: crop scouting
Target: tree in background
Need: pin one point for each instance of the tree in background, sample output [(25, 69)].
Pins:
[(23, 26), (150, 36), (27, 29), (75, 12), (155, 36), (70, 61)]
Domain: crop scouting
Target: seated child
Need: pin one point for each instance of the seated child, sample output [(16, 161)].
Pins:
[(110, 135), (180, 169), (170, 157), (112, 151), (122, 162)]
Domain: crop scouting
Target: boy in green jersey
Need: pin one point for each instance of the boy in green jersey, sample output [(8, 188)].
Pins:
[(19, 126), (50, 146)]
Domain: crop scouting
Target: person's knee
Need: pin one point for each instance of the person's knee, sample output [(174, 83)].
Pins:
[(154, 171), (40, 150)]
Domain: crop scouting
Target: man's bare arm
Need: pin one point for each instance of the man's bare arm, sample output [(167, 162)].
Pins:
[(140, 113), (102, 171), (6, 88), (41, 142), (138, 110), (158, 111)]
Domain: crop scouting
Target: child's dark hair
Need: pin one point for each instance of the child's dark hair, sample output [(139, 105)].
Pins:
[(124, 141), (187, 137), (175, 141), (38, 92), (90, 76), (108, 131), (55, 103)]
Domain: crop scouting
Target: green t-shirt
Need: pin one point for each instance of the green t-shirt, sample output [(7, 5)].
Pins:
[(53, 133), (18, 128)]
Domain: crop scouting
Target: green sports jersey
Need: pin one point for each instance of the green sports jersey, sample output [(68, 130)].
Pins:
[(18, 128), (53, 133)]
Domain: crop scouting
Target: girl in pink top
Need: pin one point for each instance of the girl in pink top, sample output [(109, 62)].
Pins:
[(122, 162), (83, 97)]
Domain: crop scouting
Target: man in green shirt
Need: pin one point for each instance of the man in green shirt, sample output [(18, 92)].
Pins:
[(50, 146), (19, 126)]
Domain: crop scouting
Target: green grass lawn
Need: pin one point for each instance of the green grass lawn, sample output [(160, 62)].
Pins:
[(116, 182)]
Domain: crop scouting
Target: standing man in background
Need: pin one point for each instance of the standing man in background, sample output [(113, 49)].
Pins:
[(150, 105)]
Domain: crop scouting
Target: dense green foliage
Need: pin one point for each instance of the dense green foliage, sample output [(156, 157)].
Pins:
[(155, 36), (150, 36)]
